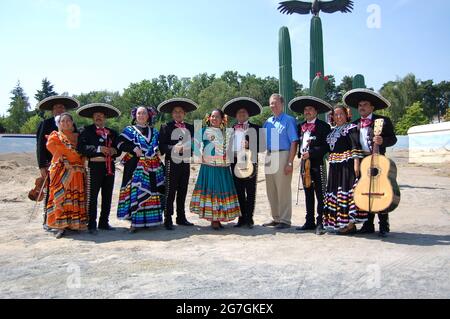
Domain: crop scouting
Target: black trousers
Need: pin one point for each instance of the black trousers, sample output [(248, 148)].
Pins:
[(383, 219), (317, 190), (99, 180), (177, 182), (246, 191)]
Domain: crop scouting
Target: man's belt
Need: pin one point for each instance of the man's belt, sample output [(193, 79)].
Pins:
[(98, 159), (279, 151)]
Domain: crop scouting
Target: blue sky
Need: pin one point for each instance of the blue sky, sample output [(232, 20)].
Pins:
[(83, 46)]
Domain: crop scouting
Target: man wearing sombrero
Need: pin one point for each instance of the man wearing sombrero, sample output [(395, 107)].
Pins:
[(175, 141), (313, 148), (367, 102), (99, 144), (57, 105), (245, 136)]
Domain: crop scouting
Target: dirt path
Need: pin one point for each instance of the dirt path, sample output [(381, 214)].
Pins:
[(414, 262)]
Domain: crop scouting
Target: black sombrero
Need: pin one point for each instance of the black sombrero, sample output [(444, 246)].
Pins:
[(353, 97), (252, 106), (47, 104), (168, 106), (89, 110), (298, 104)]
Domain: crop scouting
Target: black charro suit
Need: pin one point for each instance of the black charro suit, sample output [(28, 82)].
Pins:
[(246, 188), (98, 177), (318, 148), (389, 139), (178, 169)]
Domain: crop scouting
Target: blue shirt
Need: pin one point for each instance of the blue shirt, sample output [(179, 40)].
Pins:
[(281, 132)]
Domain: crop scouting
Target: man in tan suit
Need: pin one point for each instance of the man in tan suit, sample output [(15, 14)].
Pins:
[(282, 142)]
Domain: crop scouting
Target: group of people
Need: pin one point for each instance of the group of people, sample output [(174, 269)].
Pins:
[(78, 165)]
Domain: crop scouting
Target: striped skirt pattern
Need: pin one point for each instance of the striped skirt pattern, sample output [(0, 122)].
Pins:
[(215, 198), (141, 200), (66, 206)]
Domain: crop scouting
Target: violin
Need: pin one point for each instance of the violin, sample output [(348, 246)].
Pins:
[(37, 193)]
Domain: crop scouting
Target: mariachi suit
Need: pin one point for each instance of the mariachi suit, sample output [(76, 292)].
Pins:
[(246, 188), (100, 173), (318, 148), (389, 139), (178, 168)]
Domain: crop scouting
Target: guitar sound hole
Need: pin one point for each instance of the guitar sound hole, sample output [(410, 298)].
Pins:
[(374, 172)]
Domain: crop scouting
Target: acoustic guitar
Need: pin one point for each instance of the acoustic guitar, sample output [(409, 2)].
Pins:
[(377, 190), (244, 167)]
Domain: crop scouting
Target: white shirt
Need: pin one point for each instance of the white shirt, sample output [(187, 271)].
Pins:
[(306, 137), (239, 137), (364, 137)]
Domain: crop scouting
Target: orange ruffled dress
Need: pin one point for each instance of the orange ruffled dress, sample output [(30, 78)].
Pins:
[(66, 208)]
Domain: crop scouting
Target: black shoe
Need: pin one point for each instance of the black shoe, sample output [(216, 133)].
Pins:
[(168, 226), (106, 227), (320, 230), (307, 227), (367, 229), (249, 226), (184, 222), (383, 234), (93, 232), (282, 226), (238, 225), (349, 230), (271, 224)]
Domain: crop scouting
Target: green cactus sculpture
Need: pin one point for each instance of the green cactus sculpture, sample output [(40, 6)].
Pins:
[(358, 83), (318, 90), (286, 81), (316, 63)]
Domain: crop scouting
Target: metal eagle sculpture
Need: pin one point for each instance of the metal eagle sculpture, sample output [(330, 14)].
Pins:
[(302, 7)]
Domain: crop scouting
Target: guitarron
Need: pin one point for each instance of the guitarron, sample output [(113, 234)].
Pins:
[(377, 190)]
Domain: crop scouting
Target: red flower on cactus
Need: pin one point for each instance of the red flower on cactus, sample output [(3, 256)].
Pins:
[(319, 74), (326, 78)]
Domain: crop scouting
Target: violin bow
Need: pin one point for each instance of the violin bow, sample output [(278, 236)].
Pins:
[(37, 199)]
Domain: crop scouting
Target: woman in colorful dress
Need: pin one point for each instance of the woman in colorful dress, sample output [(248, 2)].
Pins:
[(143, 177), (341, 214), (66, 207), (214, 198)]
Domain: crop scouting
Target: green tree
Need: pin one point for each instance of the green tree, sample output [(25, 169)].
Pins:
[(31, 125), (45, 92), (18, 109), (414, 116), (447, 115)]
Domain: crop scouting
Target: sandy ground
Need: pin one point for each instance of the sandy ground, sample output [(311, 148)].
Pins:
[(414, 262)]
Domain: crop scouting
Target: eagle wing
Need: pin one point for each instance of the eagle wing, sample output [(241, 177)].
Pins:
[(344, 6), (290, 7)]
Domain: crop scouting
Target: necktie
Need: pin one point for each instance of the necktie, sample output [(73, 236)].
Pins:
[(103, 132)]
